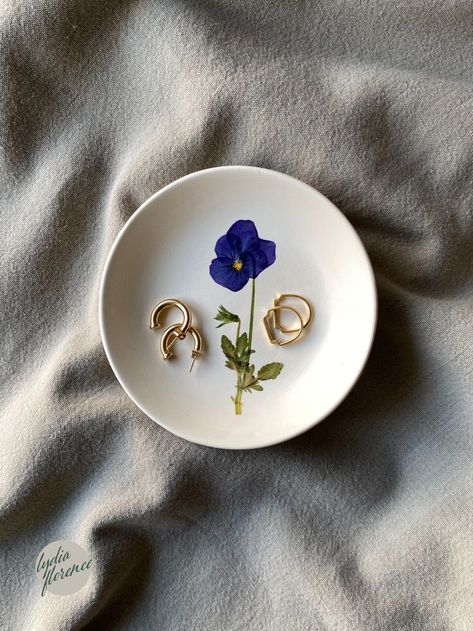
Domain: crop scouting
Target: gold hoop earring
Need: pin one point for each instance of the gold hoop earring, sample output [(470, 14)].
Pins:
[(171, 335), (182, 329), (278, 302), (270, 326)]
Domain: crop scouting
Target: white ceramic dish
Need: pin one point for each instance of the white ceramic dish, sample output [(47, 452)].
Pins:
[(165, 249)]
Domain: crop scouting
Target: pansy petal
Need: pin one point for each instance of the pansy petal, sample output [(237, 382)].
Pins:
[(269, 248), (223, 248), (245, 230), (255, 262), (223, 273), (234, 243), (258, 260)]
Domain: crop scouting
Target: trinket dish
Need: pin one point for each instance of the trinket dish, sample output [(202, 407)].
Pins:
[(180, 244)]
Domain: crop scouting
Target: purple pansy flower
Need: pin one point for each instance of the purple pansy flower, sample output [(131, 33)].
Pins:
[(241, 255)]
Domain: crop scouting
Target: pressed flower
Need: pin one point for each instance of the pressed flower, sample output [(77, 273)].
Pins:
[(241, 255)]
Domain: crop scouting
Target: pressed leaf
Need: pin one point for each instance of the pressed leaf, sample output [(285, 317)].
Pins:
[(228, 348), (270, 371), (242, 343), (249, 379), (253, 386)]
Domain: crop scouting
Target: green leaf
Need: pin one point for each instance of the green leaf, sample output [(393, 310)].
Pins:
[(228, 349), (242, 343), (225, 317), (249, 379), (254, 385), (270, 371), (246, 353), (230, 364)]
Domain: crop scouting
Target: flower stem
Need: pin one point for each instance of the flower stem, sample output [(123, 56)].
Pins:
[(238, 386), (242, 373), (252, 313), (238, 396)]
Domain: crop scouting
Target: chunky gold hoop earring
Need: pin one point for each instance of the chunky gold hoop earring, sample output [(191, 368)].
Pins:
[(277, 302), (181, 329), (168, 338), (171, 335), (198, 346), (270, 326)]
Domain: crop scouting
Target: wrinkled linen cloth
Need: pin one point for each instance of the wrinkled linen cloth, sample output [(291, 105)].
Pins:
[(364, 522)]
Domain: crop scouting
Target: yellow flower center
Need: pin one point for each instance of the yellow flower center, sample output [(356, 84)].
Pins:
[(237, 265)]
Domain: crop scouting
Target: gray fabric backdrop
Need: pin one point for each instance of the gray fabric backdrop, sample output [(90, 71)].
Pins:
[(363, 523)]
